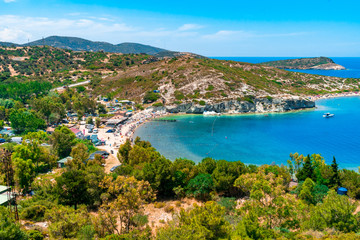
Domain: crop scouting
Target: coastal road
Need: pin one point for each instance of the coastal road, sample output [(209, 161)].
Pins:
[(71, 85)]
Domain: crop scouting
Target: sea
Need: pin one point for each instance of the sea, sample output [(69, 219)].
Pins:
[(267, 138)]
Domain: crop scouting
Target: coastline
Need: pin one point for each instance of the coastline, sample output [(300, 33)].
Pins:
[(334, 95), (163, 114)]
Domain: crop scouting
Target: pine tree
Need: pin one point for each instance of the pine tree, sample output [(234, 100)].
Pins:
[(335, 178), (307, 171)]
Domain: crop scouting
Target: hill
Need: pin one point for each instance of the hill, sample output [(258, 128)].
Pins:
[(187, 79), (182, 79), (322, 63), (80, 44)]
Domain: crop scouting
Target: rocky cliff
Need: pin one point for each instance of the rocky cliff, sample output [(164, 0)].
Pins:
[(259, 105)]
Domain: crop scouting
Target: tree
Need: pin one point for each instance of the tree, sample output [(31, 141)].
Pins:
[(126, 197), (307, 171), (269, 200), (151, 97), (62, 140), (158, 174), (124, 150), (89, 120), (65, 222), (29, 159), (202, 222), (9, 230), (80, 154), (25, 121), (225, 174), (97, 122), (335, 212), (207, 165), (50, 108), (71, 188), (94, 176), (200, 186), (307, 189), (24, 173), (335, 178)]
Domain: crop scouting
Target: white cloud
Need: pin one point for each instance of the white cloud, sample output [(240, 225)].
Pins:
[(10, 35), (9, 1), (189, 26), (19, 29), (228, 34)]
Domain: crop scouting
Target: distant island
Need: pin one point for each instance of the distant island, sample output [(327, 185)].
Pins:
[(318, 63)]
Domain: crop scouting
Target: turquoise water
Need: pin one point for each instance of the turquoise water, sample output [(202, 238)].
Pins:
[(263, 138)]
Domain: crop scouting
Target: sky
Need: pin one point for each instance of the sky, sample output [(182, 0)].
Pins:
[(248, 28)]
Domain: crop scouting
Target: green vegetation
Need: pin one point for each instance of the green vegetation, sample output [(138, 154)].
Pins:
[(300, 63), (270, 209)]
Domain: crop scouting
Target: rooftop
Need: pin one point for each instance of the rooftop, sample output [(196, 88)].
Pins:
[(3, 188)]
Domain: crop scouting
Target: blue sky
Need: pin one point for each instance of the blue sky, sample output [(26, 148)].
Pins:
[(211, 28)]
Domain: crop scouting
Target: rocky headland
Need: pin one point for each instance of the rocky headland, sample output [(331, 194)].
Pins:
[(319, 63), (258, 105)]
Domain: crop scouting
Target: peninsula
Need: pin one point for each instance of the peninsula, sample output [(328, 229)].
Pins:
[(319, 63)]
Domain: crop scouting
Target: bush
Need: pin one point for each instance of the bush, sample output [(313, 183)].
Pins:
[(179, 95), (159, 204), (169, 208), (158, 104), (35, 213), (210, 88), (151, 97), (202, 103), (35, 235)]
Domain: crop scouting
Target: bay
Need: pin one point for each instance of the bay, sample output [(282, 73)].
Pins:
[(263, 138)]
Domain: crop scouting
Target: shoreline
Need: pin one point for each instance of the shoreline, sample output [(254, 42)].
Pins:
[(334, 95), (161, 114)]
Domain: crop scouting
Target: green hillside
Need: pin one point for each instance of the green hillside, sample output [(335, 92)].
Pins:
[(299, 63)]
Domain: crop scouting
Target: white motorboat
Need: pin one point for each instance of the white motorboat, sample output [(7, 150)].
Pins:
[(328, 115), (210, 113)]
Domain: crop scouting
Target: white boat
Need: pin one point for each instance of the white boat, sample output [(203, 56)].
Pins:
[(207, 113), (327, 115)]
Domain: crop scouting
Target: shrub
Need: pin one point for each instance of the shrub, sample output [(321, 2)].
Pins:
[(179, 95), (158, 104), (202, 103), (159, 204), (35, 235), (35, 213), (169, 208), (210, 88), (151, 96)]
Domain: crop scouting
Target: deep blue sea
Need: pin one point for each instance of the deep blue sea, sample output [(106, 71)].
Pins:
[(267, 138), (352, 65)]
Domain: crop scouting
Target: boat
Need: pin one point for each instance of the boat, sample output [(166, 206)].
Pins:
[(210, 113), (328, 115)]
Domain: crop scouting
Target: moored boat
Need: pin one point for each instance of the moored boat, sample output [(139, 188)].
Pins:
[(328, 115)]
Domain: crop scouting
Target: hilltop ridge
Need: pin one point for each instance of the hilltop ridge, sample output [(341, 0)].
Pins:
[(320, 63), (80, 44)]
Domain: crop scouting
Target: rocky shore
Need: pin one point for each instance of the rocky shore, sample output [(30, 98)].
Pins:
[(259, 105), (329, 66)]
